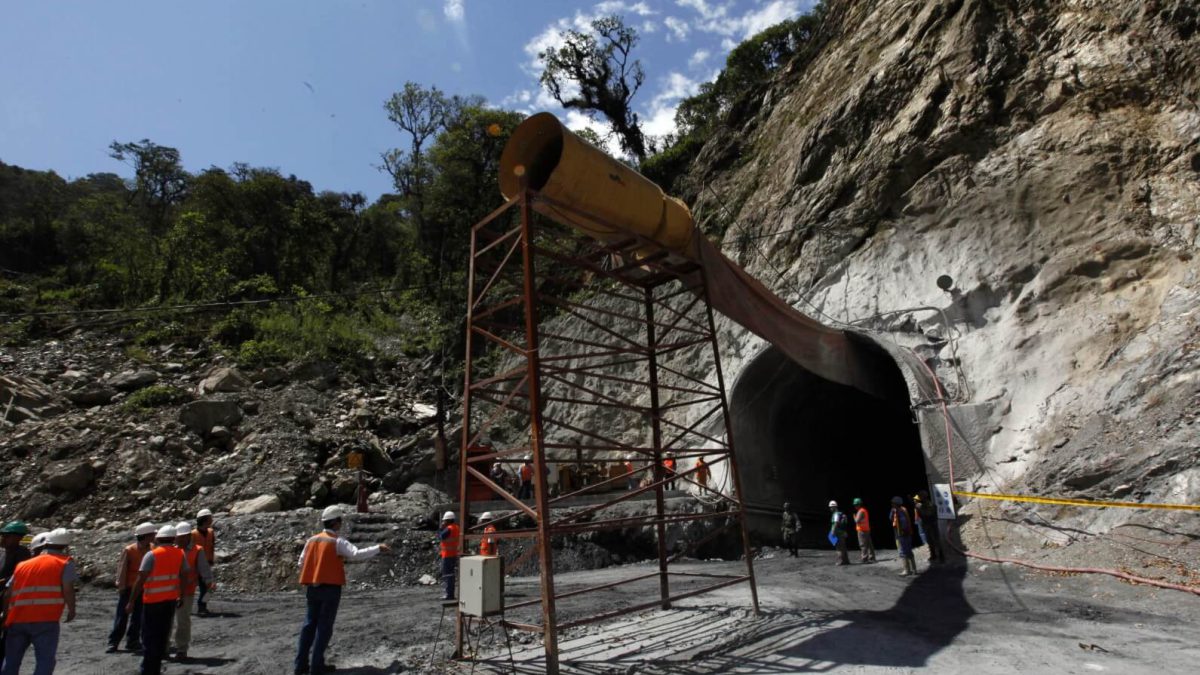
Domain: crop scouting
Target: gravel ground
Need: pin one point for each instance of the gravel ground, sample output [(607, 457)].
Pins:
[(815, 617)]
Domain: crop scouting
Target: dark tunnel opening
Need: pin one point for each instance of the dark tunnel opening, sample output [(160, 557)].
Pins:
[(806, 440)]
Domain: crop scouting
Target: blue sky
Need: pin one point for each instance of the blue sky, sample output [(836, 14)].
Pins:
[(299, 84)]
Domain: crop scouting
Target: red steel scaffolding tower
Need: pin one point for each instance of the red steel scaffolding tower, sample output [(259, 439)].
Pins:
[(626, 312)]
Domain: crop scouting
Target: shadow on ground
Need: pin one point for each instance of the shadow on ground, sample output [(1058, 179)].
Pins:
[(926, 618)]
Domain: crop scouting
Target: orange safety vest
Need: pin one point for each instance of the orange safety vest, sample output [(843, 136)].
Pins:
[(37, 591), (208, 542), (701, 472), (489, 545), (862, 520), (322, 564), (133, 563), (669, 465), (450, 543), (526, 472), (163, 583), (192, 580), (628, 467)]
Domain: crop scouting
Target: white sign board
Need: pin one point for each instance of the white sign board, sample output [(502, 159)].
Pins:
[(944, 501)]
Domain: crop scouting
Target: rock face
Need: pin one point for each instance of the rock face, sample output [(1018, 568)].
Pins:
[(131, 380), (223, 380), (261, 504), (1044, 156), (25, 398), (202, 416)]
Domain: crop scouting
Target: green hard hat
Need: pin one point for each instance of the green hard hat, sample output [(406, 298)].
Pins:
[(857, 501), (15, 527)]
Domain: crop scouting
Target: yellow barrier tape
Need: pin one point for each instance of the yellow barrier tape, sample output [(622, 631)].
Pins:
[(1078, 502)]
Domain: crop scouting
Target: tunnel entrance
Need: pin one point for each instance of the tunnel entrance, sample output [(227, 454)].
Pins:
[(806, 440)]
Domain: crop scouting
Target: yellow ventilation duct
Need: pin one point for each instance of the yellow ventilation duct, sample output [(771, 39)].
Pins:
[(567, 169)]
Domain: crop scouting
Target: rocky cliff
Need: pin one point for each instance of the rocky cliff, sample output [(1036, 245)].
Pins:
[(1044, 155)]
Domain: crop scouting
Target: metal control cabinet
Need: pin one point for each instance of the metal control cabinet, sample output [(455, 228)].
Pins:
[(481, 585)]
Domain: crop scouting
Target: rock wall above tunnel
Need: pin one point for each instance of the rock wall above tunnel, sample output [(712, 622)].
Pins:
[(1045, 156)]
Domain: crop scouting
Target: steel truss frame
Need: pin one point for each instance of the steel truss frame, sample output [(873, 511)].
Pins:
[(640, 304)]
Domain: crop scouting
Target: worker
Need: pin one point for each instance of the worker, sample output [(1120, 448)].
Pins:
[(323, 573), (498, 475), (862, 526), (12, 553), (488, 545), (205, 537), (702, 473), (668, 465), (789, 529), (127, 571), (925, 515), (448, 537), (526, 489), (631, 480), (839, 529), (198, 570), (160, 583), (902, 527), (37, 544), (37, 593)]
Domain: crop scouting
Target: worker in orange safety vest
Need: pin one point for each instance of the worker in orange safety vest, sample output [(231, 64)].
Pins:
[(323, 573), (669, 471), (127, 572), (701, 473), (862, 526), (205, 536), (488, 545), (198, 571), (160, 583), (449, 537), (38, 591), (526, 474)]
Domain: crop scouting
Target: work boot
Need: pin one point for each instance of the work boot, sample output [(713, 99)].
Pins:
[(112, 649), (906, 571)]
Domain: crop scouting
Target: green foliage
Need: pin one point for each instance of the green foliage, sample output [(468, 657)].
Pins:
[(593, 71), (156, 396), (261, 353), (728, 100)]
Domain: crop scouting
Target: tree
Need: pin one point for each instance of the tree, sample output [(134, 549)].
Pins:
[(593, 72)]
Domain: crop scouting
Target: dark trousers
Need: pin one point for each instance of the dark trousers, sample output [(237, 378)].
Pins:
[(43, 635), (123, 620), (318, 625), (201, 605), (449, 571), (156, 631), (526, 490)]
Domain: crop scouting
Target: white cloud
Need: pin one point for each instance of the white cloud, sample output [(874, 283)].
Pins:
[(576, 120), (454, 10), (659, 120), (698, 58), (716, 17), (649, 27), (620, 6), (678, 27)]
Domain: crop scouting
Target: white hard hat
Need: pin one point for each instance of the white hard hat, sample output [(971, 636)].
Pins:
[(144, 529), (183, 529), (204, 513), (449, 515), (334, 512), (59, 537), (487, 515), (832, 504), (166, 532), (39, 540)]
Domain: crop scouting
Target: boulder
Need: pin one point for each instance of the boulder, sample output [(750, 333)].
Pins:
[(210, 478), (38, 505), (220, 436), (223, 379), (260, 504), (26, 398), (131, 380), (202, 416), (90, 396), (320, 375), (69, 477), (271, 376)]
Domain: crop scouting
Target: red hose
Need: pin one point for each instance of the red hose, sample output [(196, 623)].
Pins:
[(1025, 563)]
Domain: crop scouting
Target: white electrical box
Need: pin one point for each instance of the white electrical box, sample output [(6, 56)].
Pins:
[(481, 585)]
